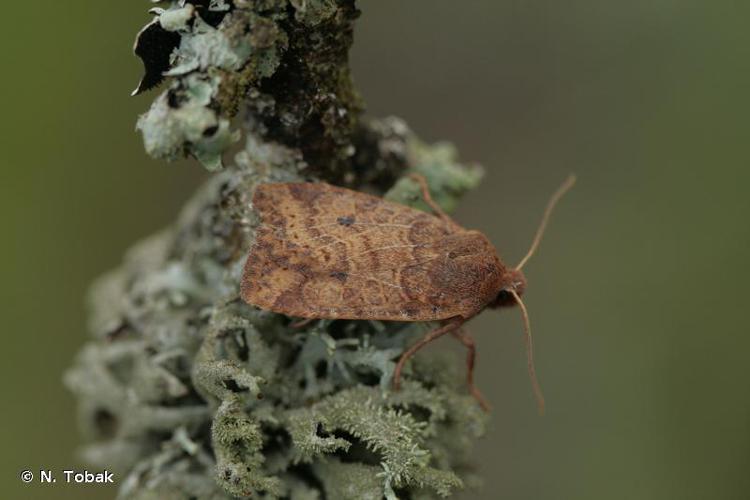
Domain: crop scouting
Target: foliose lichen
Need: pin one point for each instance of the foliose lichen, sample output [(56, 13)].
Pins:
[(186, 391)]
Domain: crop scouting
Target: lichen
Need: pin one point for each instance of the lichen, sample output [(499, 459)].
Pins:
[(448, 180), (186, 391), (285, 62)]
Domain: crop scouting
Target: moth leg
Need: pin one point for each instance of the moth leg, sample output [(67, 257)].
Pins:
[(429, 337), (301, 322), (419, 179), (471, 355)]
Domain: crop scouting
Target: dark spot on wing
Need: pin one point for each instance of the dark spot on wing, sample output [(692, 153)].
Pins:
[(346, 221), (339, 276)]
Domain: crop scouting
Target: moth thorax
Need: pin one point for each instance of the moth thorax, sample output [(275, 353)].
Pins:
[(513, 280)]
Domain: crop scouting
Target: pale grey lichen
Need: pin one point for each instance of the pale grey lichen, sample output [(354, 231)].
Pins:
[(176, 18), (186, 391), (167, 129), (208, 47)]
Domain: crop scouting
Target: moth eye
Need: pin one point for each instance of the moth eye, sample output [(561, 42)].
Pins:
[(503, 296)]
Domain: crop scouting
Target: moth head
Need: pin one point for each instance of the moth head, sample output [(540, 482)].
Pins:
[(513, 282)]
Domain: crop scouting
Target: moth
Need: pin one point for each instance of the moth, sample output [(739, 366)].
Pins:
[(325, 252)]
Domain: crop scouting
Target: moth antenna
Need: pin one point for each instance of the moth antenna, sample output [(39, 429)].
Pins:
[(564, 188), (530, 353)]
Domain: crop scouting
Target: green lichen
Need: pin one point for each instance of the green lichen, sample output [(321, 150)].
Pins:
[(186, 391), (448, 180)]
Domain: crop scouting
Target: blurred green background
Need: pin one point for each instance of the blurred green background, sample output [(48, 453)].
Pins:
[(637, 297)]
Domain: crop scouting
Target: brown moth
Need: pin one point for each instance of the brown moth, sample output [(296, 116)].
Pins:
[(325, 252)]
